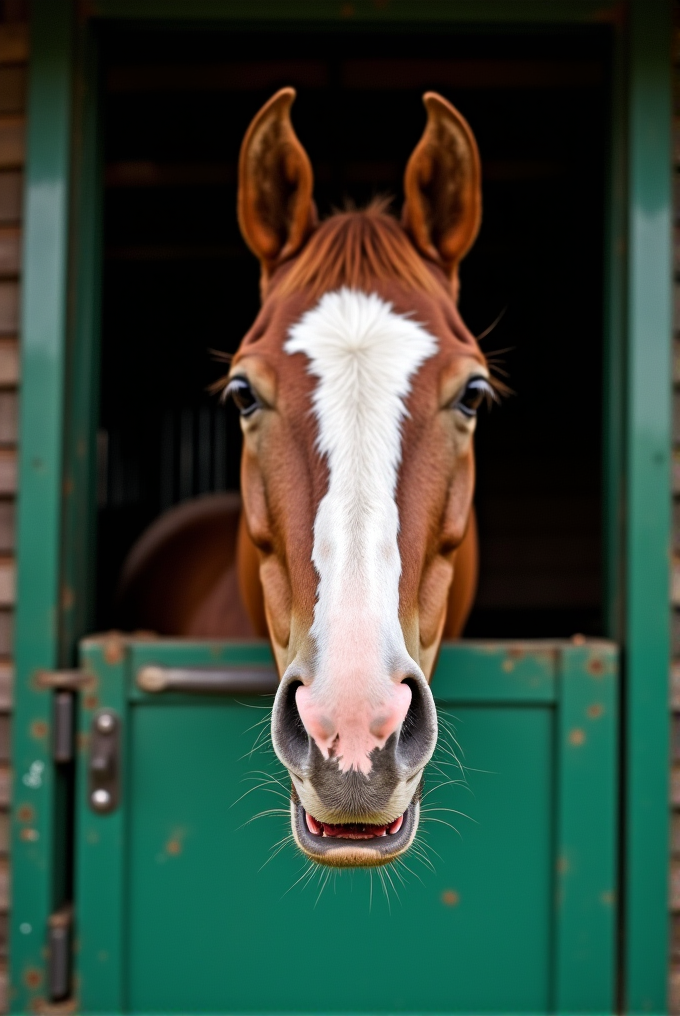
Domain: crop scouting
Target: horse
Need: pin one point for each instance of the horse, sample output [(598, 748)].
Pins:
[(354, 547)]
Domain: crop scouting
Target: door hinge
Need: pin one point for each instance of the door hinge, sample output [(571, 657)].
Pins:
[(59, 926), (63, 712)]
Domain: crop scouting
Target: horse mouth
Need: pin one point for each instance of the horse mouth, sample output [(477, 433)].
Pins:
[(354, 844)]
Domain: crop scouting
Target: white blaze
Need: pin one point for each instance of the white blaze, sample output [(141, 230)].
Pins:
[(364, 355)]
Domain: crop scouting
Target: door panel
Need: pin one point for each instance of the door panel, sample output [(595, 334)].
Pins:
[(211, 928), (186, 905)]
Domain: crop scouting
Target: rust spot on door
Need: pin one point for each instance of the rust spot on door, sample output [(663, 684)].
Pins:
[(33, 978), (595, 711), (595, 666), (114, 650), (25, 813), (450, 898), (39, 729), (577, 736)]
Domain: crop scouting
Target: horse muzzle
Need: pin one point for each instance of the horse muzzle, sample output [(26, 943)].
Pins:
[(349, 817)]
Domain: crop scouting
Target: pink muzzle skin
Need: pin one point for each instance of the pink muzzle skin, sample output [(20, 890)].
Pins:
[(354, 727)]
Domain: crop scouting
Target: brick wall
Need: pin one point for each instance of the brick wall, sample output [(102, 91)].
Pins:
[(13, 74)]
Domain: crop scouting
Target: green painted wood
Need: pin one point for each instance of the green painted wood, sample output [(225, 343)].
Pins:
[(82, 382), (194, 653), (204, 911), (648, 508), (44, 309), (496, 671), (101, 843), (408, 11), (587, 830)]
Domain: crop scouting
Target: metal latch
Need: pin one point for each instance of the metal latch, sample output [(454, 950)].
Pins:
[(208, 680), (59, 937), (104, 767)]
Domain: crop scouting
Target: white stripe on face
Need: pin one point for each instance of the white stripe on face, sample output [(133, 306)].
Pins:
[(364, 355)]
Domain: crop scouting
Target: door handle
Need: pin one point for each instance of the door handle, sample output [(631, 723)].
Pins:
[(104, 764), (212, 681)]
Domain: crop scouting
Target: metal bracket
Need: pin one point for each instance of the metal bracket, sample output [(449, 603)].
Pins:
[(71, 680), (104, 765)]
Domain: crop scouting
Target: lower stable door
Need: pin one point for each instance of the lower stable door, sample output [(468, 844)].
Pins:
[(193, 899)]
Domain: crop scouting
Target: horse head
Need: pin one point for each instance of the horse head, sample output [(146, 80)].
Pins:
[(358, 387)]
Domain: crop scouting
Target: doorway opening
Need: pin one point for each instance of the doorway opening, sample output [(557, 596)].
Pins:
[(179, 281)]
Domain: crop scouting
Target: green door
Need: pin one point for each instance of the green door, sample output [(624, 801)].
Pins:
[(185, 905)]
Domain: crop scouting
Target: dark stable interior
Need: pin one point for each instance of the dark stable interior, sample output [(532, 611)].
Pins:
[(179, 281)]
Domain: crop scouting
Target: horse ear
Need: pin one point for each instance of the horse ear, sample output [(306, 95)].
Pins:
[(275, 207), (442, 184)]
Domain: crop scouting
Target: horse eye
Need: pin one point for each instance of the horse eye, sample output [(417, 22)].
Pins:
[(244, 397), (476, 390)]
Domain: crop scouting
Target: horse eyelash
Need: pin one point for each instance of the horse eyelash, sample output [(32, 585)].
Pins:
[(219, 387)]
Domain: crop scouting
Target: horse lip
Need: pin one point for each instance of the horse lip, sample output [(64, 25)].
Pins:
[(345, 853)]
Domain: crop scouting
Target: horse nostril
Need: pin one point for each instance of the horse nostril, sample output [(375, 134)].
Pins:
[(418, 734), (289, 736)]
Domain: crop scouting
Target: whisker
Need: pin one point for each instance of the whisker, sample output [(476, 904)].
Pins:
[(422, 839), (325, 883), (394, 888), (396, 872), (442, 822), (265, 814), (446, 783), (403, 864), (258, 723), (387, 895), (453, 810), (450, 737), (277, 848), (423, 858), (261, 742), (255, 773), (261, 786), (308, 870)]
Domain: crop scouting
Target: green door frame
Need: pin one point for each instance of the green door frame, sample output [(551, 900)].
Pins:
[(60, 312)]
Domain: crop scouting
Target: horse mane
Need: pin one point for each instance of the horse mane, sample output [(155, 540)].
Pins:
[(356, 248)]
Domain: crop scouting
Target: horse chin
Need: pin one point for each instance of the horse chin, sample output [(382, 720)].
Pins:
[(362, 846)]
